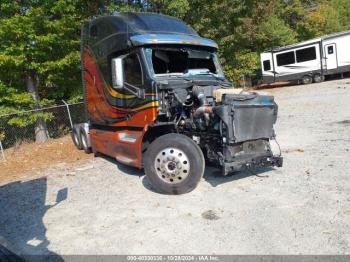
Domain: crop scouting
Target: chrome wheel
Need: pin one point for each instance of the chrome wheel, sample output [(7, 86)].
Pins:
[(172, 165), (83, 140), (76, 139)]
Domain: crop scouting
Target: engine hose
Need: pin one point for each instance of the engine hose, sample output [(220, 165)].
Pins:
[(202, 99), (198, 92), (279, 148), (202, 110)]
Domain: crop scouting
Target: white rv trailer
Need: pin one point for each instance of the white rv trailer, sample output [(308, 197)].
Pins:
[(308, 61)]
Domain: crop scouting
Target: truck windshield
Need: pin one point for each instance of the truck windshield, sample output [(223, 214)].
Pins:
[(183, 62)]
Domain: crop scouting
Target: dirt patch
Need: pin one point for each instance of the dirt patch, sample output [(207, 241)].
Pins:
[(290, 150), (210, 215), (272, 85), (301, 208), (36, 157)]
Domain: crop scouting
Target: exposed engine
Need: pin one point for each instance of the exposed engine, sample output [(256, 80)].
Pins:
[(233, 130)]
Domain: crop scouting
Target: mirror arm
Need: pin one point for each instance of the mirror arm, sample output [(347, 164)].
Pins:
[(139, 92)]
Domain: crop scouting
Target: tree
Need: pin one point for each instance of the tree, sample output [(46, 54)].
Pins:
[(343, 9), (39, 51), (274, 32), (40, 39), (218, 20), (12, 103), (323, 20), (177, 8)]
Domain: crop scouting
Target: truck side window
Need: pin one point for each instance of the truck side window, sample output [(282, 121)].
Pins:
[(132, 69)]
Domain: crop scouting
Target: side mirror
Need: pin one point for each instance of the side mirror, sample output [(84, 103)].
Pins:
[(117, 72), (118, 78)]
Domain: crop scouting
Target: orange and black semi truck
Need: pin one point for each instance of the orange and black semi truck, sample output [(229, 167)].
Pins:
[(156, 98)]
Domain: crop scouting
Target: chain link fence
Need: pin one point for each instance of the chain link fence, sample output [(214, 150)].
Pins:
[(58, 120)]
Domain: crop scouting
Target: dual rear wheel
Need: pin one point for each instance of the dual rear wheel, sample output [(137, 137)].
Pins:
[(80, 139), (308, 79)]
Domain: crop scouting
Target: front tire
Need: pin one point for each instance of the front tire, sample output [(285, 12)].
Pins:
[(174, 164)]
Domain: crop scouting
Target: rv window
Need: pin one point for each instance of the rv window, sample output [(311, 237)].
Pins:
[(285, 59), (132, 69), (330, 50), (306, 54), (267, 65)]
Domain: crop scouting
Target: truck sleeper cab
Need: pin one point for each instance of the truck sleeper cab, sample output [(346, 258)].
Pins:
[(156, 98)]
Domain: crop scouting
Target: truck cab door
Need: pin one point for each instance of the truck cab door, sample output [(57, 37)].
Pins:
[(133, 80), (142, 107), (140, 100), (127, 79), (139, 106)]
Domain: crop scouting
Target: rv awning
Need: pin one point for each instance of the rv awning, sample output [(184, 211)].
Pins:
[(146, 39)]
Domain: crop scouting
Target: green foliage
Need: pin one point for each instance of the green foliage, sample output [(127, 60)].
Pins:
[(275, 32), (25, 119), (325, 19), (177, 8), (43, 37), (114, 7), (13, 103), (40, 38), (342, 7), (246, 64)]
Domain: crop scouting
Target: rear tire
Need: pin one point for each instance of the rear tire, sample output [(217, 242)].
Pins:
[(84, 142), (77, 139), (306, 80), (174, 164), (96, 153), (318, 78)]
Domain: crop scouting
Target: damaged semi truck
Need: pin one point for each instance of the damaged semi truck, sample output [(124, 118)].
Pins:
[(156, 98)]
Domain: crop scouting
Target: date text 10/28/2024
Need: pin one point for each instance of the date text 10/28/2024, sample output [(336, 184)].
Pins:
[(173, 258)]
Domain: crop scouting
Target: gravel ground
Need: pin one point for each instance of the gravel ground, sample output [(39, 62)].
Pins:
[(102, 207)]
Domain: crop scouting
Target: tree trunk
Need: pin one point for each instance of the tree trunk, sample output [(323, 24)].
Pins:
[(41, 134)]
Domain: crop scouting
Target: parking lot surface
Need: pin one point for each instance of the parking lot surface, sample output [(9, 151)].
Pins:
[(102, 207)]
